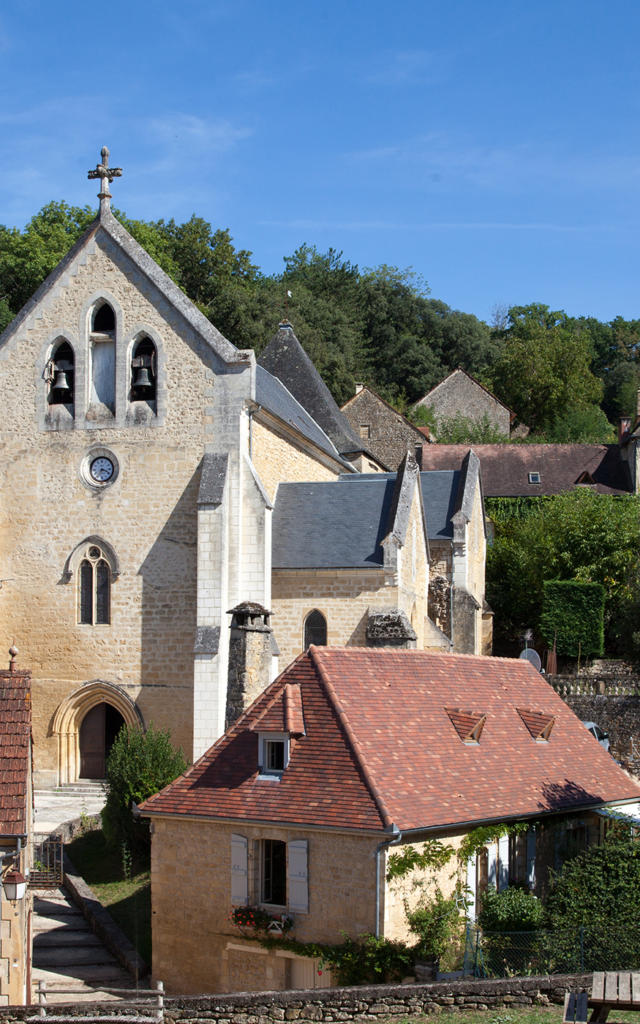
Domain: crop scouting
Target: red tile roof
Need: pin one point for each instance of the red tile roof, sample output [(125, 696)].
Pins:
[(15, 752), (505, 468), (379, 748)]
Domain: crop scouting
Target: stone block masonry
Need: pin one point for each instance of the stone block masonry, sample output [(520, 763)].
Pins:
[(344, 1004)]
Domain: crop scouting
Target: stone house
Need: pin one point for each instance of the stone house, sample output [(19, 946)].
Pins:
[(460, 394), (16, 820), (350, 755), (387, 433)]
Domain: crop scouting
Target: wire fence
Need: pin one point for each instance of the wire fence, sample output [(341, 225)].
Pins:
[(575, 951)]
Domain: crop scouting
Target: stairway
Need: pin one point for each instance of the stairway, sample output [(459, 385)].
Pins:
[(66, 953)]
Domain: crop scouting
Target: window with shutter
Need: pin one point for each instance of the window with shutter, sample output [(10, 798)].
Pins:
[(239, 870), (298, 876)]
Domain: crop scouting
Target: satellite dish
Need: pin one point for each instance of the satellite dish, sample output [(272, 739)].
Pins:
[(532, 656)]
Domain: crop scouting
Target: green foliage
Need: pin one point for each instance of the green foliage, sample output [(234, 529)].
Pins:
[(436, 920), (460, 429), (573, 615), (580, 535), (139, 764), (587, 425), (545, 365), (361, 961), (598, 894), (479, 837), (434, 855), (422, 416), (512, 910)]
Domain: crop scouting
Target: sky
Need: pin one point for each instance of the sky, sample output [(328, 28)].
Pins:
[(491, 145)]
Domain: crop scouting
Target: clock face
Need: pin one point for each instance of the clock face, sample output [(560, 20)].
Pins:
[(102, 469)]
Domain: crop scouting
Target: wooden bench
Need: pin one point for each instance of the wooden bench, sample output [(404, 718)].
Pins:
[(611, 990)]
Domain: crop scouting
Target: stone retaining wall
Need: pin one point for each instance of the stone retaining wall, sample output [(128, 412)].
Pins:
[(343, 1004)]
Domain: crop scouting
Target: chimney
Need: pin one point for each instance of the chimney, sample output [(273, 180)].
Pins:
[(250, 654), (360, 386), (624, 426)]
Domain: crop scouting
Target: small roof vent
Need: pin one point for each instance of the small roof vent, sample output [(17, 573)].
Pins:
[(534, 477), (538, 723), (468, 724)]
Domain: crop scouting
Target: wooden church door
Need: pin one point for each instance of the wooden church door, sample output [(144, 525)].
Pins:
[(99, 728)]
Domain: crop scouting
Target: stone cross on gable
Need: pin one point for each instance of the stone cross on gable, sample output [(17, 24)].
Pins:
[(106, 175)]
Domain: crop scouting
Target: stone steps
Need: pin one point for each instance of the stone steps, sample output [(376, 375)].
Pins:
[(67, 954)]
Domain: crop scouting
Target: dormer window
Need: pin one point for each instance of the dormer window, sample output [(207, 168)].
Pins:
[(534, 478), (273, 754), (539, 724)]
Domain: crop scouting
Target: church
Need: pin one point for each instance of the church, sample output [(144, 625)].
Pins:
[(160, 485)]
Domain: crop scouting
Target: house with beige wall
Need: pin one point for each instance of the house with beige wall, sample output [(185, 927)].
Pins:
[(353, 754)]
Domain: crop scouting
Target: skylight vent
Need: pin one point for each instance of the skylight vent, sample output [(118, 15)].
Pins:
[(538, 723), (585, 479), (534, 478), (468, 724)]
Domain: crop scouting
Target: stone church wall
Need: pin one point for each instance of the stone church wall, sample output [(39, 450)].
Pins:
[(148, 515), (278, 460)]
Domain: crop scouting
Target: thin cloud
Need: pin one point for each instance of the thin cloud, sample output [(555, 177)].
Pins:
[(216, 135)]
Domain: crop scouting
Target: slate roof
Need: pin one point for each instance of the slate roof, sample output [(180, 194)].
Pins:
[(506, 467), (285, 358), (341, 523), (15, 752), (380, 748), (278, 400)]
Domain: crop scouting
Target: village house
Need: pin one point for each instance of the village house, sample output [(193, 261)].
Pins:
[(386, 432), (16, 814), (150, 454), (531, 470), (461, 395), (350, 755)]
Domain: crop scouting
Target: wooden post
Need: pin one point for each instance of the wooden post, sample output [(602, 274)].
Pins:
[(159, 1000), (42, 999)]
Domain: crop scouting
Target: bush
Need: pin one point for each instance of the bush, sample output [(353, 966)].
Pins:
[(573, 614), (436, 920), (139, 764), (512, 910), (596, 896)]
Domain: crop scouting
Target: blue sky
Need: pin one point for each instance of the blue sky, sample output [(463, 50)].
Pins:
[(492, 146)]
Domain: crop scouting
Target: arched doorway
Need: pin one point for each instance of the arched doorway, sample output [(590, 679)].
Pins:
[(69, 721), (98, 730)]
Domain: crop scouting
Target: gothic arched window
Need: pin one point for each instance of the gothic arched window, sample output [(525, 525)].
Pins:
[(61, 375), (94, 588), (103, 356), (143, 371), (315, 629)]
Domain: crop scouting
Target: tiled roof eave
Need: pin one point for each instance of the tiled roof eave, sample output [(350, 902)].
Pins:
[(150, 812)]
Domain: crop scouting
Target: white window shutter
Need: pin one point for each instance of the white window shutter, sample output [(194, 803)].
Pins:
[(492, 865), (239, 871), (503, 863), (531, 858), (298, 876), (471, 894)]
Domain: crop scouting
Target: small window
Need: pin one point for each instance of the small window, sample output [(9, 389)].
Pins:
[(274, 872), (61, 375), (273, 754), (143, 371), (534, 478), (365, 431), (315, 629), (94, 581)]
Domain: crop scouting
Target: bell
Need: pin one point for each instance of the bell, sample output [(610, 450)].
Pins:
[(142, 380), (61, 381)]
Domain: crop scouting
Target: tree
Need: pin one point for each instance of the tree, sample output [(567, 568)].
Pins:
[(545, 365), (587, 425), (139, 764), (596, 897), (580, 535), (462, 430)]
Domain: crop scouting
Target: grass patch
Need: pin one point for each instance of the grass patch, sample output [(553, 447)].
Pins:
[(128, 899)]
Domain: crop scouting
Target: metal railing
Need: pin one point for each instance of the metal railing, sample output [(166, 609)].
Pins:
[(46, 860), (567, 951)]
